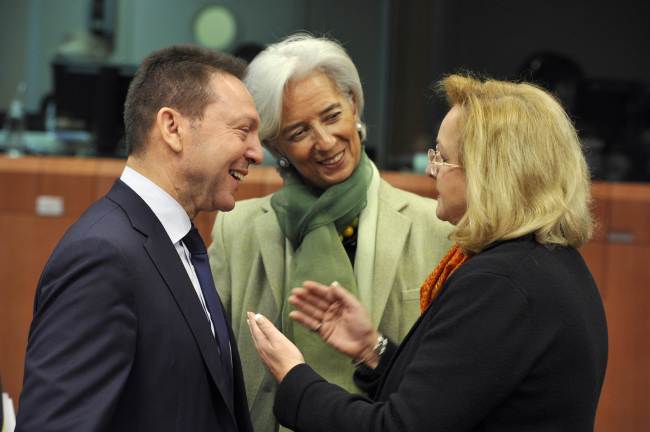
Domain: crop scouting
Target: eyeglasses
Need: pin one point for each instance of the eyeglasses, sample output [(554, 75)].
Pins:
[(435, 162)]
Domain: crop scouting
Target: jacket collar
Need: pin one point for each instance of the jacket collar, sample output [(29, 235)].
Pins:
[(388, 248), (162, 253)]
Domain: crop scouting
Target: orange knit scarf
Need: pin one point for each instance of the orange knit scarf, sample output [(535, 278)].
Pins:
[(432, 285)]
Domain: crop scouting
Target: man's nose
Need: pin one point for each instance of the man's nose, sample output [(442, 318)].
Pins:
[(255, 153)]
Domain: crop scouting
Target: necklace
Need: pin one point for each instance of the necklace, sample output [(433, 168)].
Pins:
[(349, 230)]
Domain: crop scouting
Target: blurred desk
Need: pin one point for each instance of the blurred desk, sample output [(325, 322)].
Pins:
[(618, 256), (51, 143)]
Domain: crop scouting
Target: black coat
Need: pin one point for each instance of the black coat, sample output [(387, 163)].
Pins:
[(119, 341), (516, 341)]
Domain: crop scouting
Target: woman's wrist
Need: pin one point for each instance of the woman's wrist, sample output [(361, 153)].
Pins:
[(375, 348), (282, 373)]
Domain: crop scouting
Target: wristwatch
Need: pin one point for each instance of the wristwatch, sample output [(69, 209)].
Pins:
[(379, 349)]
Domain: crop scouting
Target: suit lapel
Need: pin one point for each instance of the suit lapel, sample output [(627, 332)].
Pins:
[(241, 413), (166, 259), (271, 248), (392, 230)]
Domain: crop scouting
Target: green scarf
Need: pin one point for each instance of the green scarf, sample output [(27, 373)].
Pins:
[(312, 220)]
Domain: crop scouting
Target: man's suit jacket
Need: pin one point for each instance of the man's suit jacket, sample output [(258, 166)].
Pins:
[(248, 258), (119, 340)]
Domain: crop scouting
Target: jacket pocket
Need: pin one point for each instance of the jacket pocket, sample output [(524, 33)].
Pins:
[(411, 294)]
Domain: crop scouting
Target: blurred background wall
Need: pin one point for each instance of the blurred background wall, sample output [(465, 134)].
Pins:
[(593, 54), (400, 47)]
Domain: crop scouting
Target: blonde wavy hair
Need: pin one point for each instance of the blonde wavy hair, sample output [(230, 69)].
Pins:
[(524, 167)]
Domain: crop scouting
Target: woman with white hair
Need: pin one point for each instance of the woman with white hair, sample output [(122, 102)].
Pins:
[(333, 219), (512, 335)]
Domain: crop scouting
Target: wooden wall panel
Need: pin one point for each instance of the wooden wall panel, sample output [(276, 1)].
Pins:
[(18, 184), (28, 241), (416, 183), (204, 222), (595, 255), (259, 182), (595, 252), (625, 401), (621, 269), (108, 170), (72, 179), (630, 214), (601, 212)]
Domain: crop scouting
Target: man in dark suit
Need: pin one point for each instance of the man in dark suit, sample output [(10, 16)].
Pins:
[(128, 332)]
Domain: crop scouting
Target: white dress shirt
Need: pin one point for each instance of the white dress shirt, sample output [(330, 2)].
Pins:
[(174, 220)]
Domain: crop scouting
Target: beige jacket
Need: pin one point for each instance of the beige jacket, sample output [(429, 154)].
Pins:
[(249, 256)]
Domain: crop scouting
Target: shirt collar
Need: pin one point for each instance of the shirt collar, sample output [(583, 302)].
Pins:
[(169, 212)]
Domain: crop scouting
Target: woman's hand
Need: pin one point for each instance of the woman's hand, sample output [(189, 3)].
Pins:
[(276, 351), (338, 317)]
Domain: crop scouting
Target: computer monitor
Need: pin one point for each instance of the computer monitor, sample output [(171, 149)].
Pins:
[(90, 96)]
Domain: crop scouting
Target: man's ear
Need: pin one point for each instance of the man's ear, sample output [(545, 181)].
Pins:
[(172, 127)]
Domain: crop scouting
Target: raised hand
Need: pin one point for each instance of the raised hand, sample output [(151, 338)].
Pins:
[(277, 352), (338, 317)]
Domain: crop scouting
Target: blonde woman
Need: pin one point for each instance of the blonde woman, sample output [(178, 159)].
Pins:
[(512, 335)]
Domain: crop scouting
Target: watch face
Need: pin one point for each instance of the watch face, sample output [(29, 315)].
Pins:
[(215, 27)]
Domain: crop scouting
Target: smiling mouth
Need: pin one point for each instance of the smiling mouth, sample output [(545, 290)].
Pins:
[(236, 175), (333, 160)]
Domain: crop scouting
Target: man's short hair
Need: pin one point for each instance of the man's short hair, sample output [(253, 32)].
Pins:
[(177, 77)]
